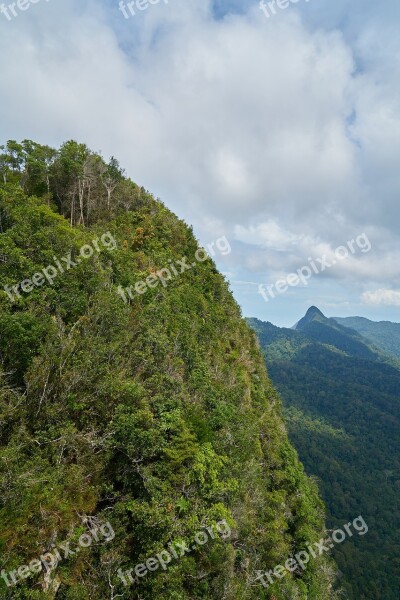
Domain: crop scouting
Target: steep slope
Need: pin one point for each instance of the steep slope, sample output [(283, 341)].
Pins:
[(384, 334), (327, 331), (313, 314), (343, 415), (153, 416)]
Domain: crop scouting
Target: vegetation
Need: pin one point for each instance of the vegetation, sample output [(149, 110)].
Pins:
[(385, 335), (156, 416), (341, 401)]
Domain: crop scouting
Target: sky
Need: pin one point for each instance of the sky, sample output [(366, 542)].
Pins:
[(277, 127)]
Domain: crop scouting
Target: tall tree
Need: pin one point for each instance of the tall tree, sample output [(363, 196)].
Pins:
[(111, 175)]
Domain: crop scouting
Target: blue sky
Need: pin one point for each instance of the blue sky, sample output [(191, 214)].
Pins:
[(281, 133)]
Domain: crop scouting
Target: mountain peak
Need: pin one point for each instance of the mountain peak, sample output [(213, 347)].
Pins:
[(312, 313)]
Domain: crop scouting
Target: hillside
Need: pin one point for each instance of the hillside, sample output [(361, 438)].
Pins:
[(133, 404), (384, 334), (315, 326), (341, 402)]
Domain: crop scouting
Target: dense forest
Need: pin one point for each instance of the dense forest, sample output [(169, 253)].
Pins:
[(341, 399), (152, 419), (383, 334)]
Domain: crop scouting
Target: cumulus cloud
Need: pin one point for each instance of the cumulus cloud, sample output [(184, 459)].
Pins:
[(281, 133), (269, 235), (382, 296)]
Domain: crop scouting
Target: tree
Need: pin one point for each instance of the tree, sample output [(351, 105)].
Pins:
[(11, 159), (70, 179), (111, 175), (39, 160)]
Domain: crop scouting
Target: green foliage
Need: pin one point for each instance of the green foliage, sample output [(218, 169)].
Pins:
[(156, 416), (341, 402), (385, 335)]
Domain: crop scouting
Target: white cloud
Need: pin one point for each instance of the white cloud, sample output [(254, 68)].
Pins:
[(382, 296), (270, 131), (269, 235)]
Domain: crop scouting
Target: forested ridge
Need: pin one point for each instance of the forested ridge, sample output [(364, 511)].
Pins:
[(155, 416), (341, 399), (384, 334)]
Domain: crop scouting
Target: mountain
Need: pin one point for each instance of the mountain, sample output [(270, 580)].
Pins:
[(313, 314), (384, 334), (327, 331), (143, 452), (342, 406)]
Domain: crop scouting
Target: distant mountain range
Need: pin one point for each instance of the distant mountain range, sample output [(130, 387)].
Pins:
[(340, 384), (329, 331), (385, 335)]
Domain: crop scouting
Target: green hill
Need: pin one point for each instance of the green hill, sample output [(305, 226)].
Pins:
[(142, 419), (327, 331), (342, 407), (384, 334)]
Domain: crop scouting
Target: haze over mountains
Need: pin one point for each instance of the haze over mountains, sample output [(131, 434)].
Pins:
[(341, 390)]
